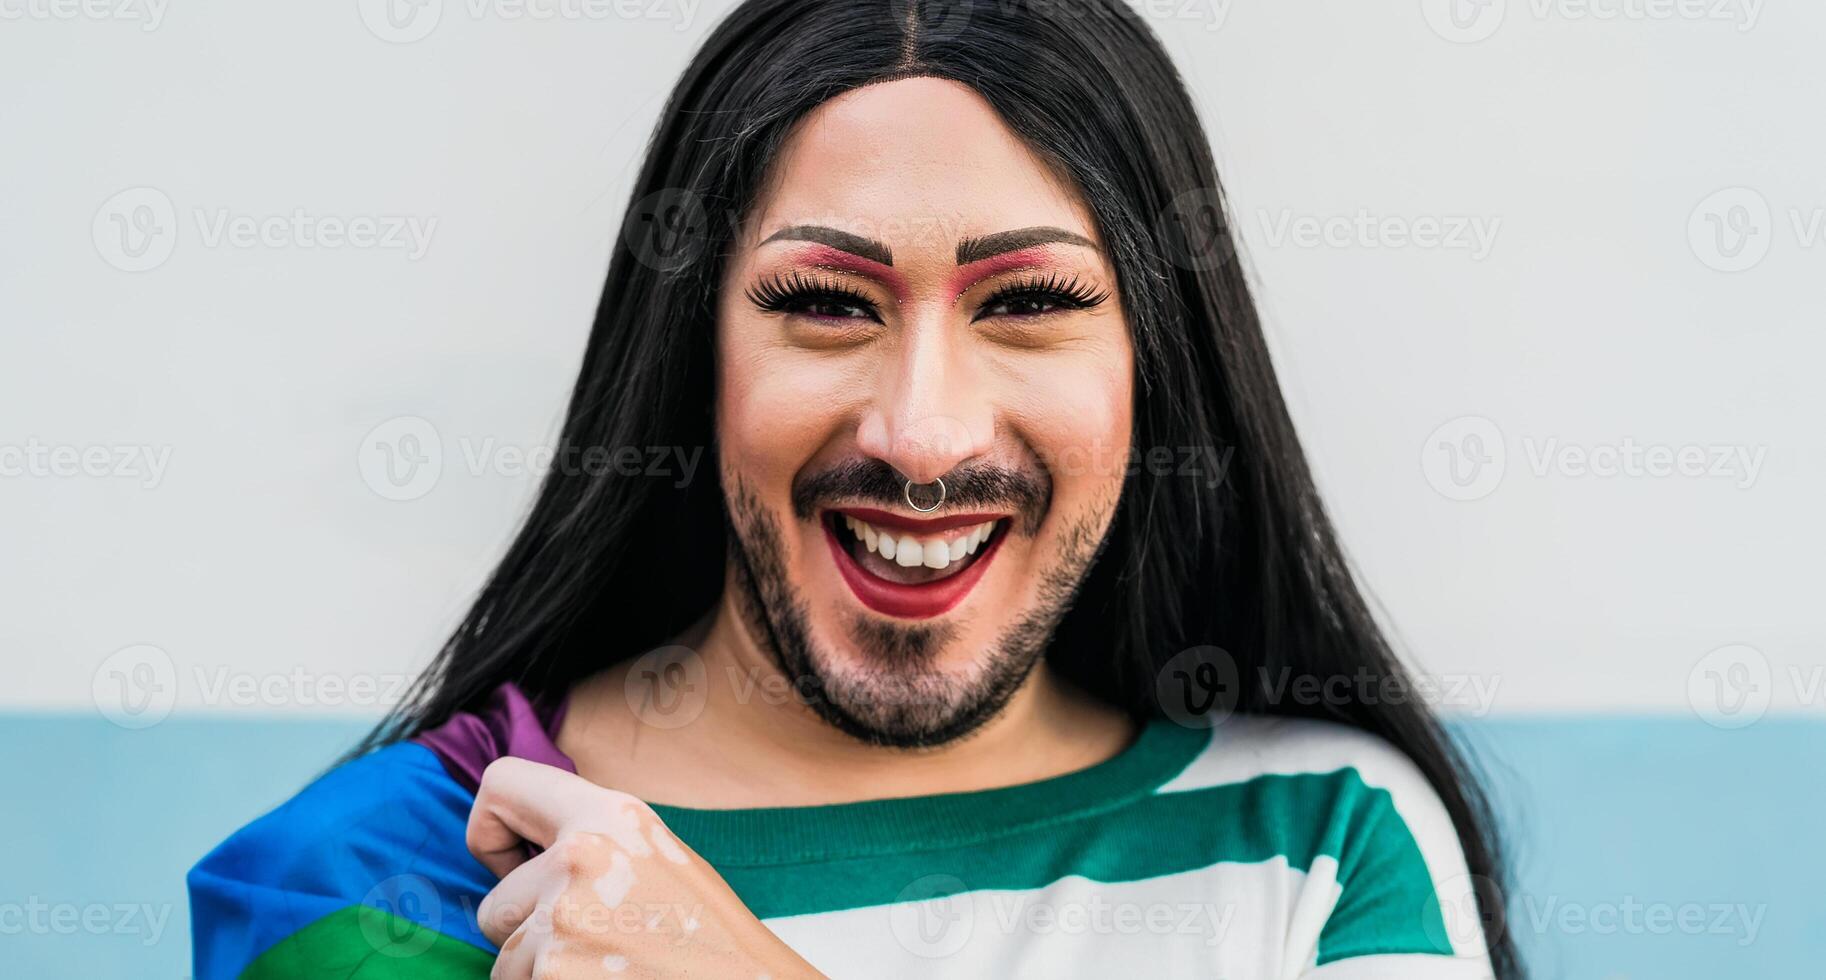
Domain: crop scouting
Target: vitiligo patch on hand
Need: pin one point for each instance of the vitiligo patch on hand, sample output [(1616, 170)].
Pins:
[(668, 846), (613, 887)]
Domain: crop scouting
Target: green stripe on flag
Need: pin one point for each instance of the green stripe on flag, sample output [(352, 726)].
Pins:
[(364, 943)]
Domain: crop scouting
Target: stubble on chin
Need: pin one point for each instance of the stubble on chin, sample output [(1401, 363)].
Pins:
[(891, 692)]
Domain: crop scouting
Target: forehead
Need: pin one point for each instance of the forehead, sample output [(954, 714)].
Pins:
[(915, 163)]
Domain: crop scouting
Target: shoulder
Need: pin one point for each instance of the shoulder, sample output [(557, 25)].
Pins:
[(1364, 821), (1243, 747), (369, 855)]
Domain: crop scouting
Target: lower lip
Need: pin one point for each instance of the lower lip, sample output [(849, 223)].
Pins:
[(922, 601)]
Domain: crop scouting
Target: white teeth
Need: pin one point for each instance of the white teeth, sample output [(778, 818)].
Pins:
[(909, 551)]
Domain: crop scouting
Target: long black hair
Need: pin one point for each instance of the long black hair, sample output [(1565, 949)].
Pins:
[(609, 566)]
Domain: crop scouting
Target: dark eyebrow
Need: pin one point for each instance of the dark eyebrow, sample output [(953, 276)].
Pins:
[(867, 248), (977, 249)]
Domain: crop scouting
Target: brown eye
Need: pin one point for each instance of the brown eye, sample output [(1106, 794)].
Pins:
[(1039, 297), (834, 308), (1027, 305), (823, 300)]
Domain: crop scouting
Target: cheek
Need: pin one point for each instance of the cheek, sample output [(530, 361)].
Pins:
[(773, 410), (1078, 418)]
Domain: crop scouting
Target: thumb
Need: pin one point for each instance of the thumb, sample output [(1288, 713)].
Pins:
[(518, 803)]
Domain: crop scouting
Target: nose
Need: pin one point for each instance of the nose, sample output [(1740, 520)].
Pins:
[(931, 411)]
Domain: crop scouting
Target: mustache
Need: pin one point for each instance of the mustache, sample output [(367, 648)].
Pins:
[(984, 486)]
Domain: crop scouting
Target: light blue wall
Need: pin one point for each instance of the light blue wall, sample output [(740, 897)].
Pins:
[(1603, 813)]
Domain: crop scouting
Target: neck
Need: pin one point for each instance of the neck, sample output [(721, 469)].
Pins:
[(754, 743)]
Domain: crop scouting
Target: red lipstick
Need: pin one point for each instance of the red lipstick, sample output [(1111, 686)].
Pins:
[(922, 601)]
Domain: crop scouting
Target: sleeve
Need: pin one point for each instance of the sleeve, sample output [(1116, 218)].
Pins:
[(363, 874), (1406, 905)]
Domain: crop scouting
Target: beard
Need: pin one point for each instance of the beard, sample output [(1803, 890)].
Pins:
[(893, 694)]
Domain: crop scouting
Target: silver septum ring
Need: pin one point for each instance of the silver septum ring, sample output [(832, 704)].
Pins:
[(936, 504)]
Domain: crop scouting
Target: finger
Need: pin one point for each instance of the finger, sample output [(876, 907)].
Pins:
[(520, 952), (515, 898), (520, 801)]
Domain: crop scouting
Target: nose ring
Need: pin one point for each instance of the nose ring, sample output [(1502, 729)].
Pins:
[(926, 491)]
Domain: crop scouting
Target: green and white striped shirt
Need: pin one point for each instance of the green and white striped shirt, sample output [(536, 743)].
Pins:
[(1259, 848)]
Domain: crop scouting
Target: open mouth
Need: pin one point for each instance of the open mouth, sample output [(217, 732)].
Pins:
[(911, 568)]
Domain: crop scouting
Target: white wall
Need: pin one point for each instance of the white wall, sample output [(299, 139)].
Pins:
[(1582, 145)]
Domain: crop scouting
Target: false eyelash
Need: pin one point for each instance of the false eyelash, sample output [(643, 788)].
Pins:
[(1069, 293), (781, 293)]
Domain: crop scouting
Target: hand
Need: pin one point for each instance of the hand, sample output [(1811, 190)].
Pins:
[(614, 893)]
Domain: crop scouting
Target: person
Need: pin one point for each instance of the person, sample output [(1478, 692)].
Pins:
[(1006, 637)]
